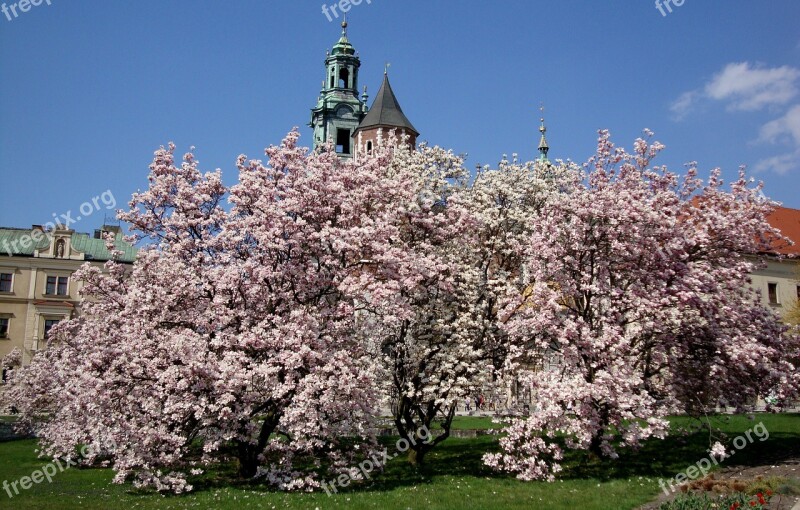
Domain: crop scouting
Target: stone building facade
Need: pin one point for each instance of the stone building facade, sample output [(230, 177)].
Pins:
[(37, 288)]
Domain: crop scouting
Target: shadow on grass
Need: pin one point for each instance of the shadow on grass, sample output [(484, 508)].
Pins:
[(462, 457), (668, 457)]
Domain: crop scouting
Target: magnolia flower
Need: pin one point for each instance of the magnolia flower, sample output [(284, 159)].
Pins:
[(718, 451)]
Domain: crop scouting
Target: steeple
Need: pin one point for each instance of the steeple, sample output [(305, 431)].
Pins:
[(339, 109), (543, 147), (343, 46), (386, 112), (384, 115)]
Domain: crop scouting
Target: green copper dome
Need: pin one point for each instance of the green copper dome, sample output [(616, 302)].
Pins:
[(343, 46)]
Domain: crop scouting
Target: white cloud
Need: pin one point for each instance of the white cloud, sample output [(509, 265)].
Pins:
[(786, 130), (781, 165), (683, 105), (786, 127), (751, 88), (744, 86)]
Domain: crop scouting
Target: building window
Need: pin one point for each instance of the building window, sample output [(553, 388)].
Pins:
[(48, 325), (6, 282), (798, 292), (772, 292), (369, 146), (344, 78), (57, 285), (343, 141), (4, 321)]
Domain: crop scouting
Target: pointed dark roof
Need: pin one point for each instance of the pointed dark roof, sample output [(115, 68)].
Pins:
[(386, 111)]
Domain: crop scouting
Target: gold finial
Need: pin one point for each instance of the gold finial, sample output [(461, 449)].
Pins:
[(344, 25), (542, 129), (543, 147)]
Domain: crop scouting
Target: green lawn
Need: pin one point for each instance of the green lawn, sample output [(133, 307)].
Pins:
[(454, 478), (472, 423)]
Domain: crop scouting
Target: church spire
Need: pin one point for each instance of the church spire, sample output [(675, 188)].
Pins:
[(543, 147), (384, 117), (386, 113)]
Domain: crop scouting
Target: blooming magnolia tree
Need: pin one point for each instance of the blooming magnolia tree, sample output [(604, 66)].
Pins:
[(267, 330), (637, 284), (459, 252), (236, 332)]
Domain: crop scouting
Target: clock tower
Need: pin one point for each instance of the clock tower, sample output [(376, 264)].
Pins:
[(339, 109)]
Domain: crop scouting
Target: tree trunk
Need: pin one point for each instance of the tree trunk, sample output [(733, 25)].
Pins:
[(248, 459), (248, 453), (416, 456), (597, 438)]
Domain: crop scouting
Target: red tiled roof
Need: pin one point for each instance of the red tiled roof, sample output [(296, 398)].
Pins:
[(788, 222)]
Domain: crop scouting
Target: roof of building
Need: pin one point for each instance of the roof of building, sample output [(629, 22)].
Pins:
[(343, 46), (386, 111), (21, 243), (788, 222)]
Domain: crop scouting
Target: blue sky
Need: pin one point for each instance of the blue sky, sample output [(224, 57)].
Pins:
[(90, 89)]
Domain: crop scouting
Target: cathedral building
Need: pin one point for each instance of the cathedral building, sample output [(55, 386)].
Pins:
[(344, 118)]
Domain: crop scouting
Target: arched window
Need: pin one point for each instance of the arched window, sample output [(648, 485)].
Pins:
[(369, 146), (344, 78)]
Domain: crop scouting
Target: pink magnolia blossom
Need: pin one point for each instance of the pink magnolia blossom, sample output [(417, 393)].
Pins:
[(236, 332), (455, 254), (637, 283)]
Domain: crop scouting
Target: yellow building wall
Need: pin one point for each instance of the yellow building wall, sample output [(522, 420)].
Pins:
[(784, 273)]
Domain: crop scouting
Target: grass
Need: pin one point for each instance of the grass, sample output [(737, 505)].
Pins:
[(472, 423), (454, 478)]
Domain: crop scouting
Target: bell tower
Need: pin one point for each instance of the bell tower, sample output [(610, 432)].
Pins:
[(339, 109)]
